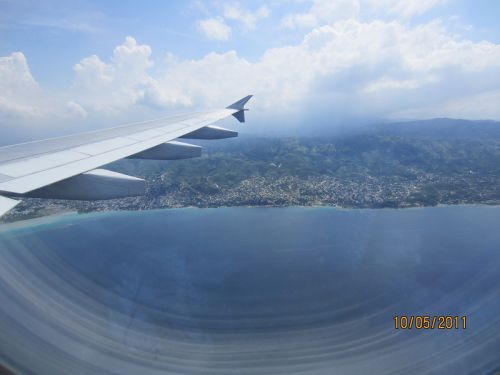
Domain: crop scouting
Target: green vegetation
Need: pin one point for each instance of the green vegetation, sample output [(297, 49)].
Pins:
[(403, 165), (432, 162)]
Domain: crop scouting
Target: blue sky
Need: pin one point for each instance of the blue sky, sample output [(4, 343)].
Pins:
[(338, 61)]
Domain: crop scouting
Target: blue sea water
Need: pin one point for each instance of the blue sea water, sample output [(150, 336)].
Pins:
[(251, 291)]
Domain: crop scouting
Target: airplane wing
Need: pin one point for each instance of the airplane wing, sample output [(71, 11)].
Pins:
[(67, 167)]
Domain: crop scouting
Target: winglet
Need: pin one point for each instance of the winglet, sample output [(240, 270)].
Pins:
[(7, 204), (240, 104)]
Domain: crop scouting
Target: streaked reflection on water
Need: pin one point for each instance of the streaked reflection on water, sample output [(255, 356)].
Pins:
[(251, 291)]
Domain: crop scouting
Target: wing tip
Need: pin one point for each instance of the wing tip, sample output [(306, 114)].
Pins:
[(240, 104)]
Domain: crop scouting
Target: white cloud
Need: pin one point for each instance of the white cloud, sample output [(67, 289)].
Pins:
[(20, 94), (377, 68), (348, 69), (122, 83), (215, 29), (15, 75), (24, 102), (300, 20), (247, 18), (75, 110), (411, 8), (324, 12)]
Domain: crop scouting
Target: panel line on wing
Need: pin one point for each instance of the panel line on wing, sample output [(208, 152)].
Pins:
[(32, 165)]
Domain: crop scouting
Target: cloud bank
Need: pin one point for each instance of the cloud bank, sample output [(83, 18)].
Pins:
[(345, 68)]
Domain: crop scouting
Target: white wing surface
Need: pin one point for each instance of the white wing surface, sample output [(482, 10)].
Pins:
[(66, 167)]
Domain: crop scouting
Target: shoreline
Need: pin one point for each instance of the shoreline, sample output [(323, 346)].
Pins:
[(54, 216)]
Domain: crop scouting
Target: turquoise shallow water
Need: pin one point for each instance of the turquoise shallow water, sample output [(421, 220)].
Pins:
[(251, 291)]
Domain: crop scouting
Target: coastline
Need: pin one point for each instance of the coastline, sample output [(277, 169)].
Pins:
[(57, 216)]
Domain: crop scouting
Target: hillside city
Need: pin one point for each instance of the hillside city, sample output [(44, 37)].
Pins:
[(424, 163)]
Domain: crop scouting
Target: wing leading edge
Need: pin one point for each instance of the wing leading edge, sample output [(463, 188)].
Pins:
[(52, 168)]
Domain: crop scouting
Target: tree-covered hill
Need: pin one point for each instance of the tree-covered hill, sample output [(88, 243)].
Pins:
[(391, 165)]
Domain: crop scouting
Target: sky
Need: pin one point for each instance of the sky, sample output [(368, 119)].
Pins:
[(311, 64)]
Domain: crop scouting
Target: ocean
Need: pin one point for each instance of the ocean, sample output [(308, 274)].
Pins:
[(251, 291)]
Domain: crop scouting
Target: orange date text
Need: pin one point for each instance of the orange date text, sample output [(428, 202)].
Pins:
[(442, 322)]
